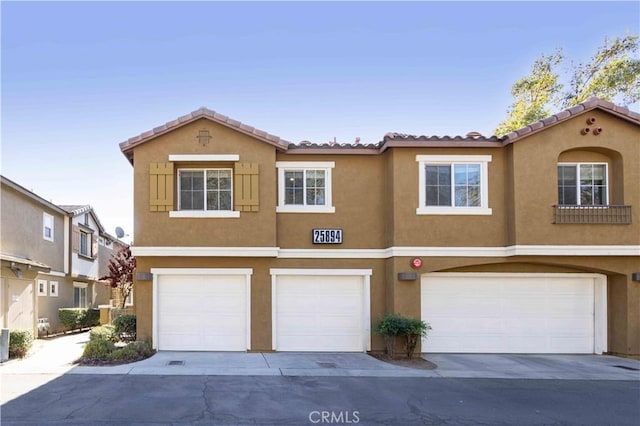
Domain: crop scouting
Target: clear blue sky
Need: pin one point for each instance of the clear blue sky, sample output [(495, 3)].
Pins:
[(80, 77)]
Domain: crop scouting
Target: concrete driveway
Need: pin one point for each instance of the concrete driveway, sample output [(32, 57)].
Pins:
[(532, 366), (56, 356)]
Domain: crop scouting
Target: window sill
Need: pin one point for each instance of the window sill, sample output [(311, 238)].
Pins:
[(85, 257), (204, 214), (305, 209), (454, 211)]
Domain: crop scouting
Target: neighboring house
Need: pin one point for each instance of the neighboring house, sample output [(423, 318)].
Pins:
[(52, 257), (34, 242), (528, 243), (111, 246)]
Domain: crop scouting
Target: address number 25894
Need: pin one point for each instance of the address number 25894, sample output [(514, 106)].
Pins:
[(327, 236)]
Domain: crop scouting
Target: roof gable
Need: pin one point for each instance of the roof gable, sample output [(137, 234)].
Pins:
[(562, 116), (127, 146), (75, 210)]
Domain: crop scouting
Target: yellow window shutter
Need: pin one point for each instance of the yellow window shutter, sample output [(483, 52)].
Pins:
[(161, 187), (246, 187)]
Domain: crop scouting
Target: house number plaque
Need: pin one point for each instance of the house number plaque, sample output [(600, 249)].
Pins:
[(327, 236)]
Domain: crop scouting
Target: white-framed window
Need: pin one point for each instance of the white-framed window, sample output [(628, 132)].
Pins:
[(80, 292), (42, 287), (453, 184), (583, 184), (129, 300), (53, 288), (85, 243), (305, 187), (47, 226), (86, 220), (101, 241), (205, 193)]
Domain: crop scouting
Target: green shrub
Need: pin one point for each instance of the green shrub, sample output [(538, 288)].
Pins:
[(125, 327), (98, 349), (89, 318), (134, 351), (20, 341), (69, 317), (73, 318), (103, 332), (414, 329), (390, 327)]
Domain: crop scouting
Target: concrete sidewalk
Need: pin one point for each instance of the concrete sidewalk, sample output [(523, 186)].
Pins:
[(49, 356), (502, 366), (260, 364)]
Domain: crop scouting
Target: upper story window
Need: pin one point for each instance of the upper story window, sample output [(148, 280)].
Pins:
[(205, 193), (47, 226), (304, 187), (85, 244), (455, 184), (583, 184), (86, 220)]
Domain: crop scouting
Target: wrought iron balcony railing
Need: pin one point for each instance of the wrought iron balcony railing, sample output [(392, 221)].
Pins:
[(605, 215)]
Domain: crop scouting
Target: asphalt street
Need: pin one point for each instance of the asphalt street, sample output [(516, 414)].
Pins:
[(279, 400)]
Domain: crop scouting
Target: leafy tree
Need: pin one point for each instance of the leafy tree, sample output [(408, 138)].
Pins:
[(533, 94), (612, 74), (121, 267)]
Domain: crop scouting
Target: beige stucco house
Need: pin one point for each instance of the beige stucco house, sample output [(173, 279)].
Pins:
[(52, 257), (529, 243)]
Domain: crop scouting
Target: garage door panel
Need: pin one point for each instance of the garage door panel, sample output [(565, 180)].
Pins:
[(202, 312), (509, 314), (319, 313), (571, 344)]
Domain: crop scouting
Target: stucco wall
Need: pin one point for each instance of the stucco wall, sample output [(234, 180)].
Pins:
[(252, 229), (22, 234), (535, 180), (376, 196)]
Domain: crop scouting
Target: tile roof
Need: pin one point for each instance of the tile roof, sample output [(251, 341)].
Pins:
[(390, 140), (588, 105), (470, 137), (343, 148), (127, 146), (76, 209)]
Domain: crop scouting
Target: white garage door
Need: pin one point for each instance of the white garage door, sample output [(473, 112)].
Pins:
[(202, 312), (510, 313), (321, 313)]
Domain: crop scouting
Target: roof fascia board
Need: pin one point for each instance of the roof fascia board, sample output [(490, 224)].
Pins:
[(441, 144), (33, 196)]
